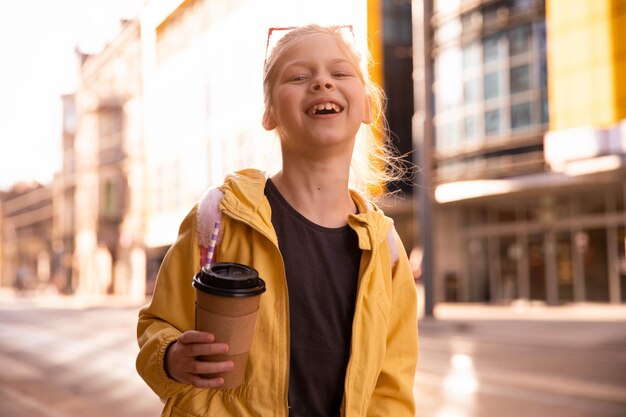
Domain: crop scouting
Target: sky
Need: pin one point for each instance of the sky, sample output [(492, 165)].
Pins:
[(38, 39)]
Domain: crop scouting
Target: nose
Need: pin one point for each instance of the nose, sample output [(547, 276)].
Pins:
[(320, 84)]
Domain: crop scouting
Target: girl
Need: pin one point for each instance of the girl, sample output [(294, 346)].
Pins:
[(336, 332)]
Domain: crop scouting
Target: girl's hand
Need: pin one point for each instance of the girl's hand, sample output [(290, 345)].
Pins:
[(182, 362)]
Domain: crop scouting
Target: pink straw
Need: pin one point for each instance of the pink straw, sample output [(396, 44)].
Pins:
[(216, 231)]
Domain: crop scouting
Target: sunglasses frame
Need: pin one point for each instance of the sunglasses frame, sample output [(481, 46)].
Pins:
[(271, 30)]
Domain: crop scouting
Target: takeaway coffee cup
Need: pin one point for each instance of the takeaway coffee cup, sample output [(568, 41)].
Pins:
[(227, 302)]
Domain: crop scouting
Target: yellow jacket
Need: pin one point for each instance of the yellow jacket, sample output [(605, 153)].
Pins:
[(383, 358)]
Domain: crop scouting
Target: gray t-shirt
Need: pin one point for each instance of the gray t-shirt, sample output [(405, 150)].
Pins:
[(322, 267)]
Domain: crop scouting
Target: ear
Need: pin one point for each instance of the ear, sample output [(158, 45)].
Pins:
[(368, 111), (268, 120)]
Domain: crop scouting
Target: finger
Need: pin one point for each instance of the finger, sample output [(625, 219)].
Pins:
[(205, 349), (203, 368), (195, 336)]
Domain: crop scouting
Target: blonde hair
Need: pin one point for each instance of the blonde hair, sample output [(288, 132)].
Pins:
[(375, 162)]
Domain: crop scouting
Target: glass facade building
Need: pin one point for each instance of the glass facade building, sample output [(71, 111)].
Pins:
[(491, 91), (526, 209)]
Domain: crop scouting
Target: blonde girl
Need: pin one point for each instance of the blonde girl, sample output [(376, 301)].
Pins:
[(336, 332)]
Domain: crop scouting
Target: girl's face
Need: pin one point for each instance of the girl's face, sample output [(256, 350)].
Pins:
[(318, 100)]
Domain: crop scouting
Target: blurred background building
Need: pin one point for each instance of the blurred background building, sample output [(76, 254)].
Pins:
[(530, 109), (26, 230), (528, 105), (99, 216)]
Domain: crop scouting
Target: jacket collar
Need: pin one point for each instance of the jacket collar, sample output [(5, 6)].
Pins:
[(244, 196), (370, 224)]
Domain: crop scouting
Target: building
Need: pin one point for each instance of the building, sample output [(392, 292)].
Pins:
[(530, 150), (63, 198), (26, 223), (587, 139), (105, 158)]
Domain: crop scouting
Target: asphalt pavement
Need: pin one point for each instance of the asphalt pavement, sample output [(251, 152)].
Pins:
[(66, 356)]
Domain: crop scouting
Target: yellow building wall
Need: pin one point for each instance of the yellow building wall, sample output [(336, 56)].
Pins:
[(586, 55), (375, 46), (619, 36)]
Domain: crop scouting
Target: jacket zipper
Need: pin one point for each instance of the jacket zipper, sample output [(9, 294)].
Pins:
[(287, 327), (353, 344), (288, 339)]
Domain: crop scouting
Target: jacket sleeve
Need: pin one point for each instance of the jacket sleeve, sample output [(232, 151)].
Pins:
[(171, 310), (393, 395)]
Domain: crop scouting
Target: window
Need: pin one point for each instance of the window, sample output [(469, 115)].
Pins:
[(471, 93), (540, 35), (520, 115), (520, 79), (519, 40), (449, 79), (471, 55), (110, 126), (492, 86), (111, 198), (491, 48), (453, 132), (471, 126), (492, 122)]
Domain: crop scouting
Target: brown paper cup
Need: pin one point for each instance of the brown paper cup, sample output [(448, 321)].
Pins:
[(232, 320)]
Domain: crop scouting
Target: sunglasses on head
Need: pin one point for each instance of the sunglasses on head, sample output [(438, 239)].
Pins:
[(274, 34)]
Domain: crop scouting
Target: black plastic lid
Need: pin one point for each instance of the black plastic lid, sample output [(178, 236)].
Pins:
[(229, 279)]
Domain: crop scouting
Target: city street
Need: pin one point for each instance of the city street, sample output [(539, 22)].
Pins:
[(61, 357)]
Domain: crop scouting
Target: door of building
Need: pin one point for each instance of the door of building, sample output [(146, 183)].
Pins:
[(536, 266)]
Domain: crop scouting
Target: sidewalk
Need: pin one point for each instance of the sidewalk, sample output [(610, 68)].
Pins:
[(531, 311), (579, 325), (9, 298), (517, 310)]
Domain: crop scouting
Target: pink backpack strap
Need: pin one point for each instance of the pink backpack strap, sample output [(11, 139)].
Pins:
[(208, 215), (392, 242)]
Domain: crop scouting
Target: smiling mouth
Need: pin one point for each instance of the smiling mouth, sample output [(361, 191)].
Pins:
[(324, 108)]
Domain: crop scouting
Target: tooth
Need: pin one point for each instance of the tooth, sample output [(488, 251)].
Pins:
[(328, 106), (335, 107)]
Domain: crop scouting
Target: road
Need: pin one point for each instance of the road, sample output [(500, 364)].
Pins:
[(70, 362), (63, 359), (513, 368)]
